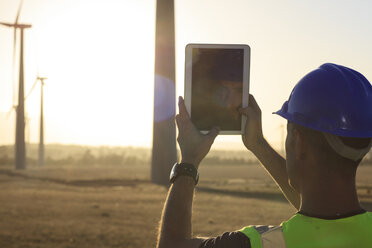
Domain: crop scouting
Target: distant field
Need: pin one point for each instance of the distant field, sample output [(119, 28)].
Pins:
[(117, 206)]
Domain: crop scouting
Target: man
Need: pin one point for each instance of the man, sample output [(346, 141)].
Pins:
[(329, 128)]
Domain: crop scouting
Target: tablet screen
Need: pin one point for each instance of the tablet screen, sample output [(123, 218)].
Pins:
[(217, 86)]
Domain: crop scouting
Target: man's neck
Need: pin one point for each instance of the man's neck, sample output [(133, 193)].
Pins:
[(330, 200)]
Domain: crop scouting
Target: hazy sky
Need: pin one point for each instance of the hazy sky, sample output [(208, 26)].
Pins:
[(98, 56)]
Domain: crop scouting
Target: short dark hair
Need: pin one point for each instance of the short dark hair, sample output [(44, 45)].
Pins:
[(319, 142)]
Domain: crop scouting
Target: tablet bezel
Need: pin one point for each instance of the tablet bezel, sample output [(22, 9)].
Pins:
[(246, 74)]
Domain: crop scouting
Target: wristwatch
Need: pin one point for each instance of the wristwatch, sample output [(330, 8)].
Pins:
[(184, 169)]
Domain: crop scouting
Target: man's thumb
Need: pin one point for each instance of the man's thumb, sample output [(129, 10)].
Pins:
[(214, 132)]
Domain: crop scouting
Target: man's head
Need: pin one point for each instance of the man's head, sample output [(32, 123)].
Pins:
[(329, 115), (311, 159)]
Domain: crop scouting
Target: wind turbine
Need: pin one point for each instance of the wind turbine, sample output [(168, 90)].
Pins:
[(41, 140), (27, 129), (164, 152), (20, 147)]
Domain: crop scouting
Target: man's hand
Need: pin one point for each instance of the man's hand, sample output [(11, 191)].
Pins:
[(193, 144), (273, 162), (252, 136), (175, 226)]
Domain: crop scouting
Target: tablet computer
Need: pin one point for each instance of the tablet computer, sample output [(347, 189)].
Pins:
[(217, 85)]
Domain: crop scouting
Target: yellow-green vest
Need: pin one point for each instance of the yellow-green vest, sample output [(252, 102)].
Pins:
[(302, 231)]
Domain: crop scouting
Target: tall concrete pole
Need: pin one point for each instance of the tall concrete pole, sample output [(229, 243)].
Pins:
[(164, 153), (41, 141), (20, 147)]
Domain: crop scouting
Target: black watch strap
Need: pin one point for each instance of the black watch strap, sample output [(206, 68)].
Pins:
[(184, 169)]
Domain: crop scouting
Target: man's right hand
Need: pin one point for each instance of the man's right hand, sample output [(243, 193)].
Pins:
[(252, 136)]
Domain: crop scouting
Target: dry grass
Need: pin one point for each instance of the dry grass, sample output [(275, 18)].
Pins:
[(118, 207)]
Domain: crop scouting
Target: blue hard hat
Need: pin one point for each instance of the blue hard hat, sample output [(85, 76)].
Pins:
[(332, 99)]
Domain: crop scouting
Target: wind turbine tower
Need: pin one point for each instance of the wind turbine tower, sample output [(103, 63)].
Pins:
[(20, 147), (41, 141), (164, 153)]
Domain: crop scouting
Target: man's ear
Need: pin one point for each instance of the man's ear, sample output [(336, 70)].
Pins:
[(300, 145)]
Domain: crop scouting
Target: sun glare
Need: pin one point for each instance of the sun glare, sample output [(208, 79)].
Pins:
[(98, 57)]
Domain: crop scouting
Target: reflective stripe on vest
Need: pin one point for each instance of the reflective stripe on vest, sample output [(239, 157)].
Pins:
[(265, 236), (305, 232)]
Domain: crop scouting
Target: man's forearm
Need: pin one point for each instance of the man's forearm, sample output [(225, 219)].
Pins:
[(275, 165), (175, 226)]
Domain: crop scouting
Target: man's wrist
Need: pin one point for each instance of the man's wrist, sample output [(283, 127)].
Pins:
[(184, 179), (184, 169), (260, 147), (187, 160)]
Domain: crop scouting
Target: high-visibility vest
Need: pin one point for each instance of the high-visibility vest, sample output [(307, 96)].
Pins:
[(302, 231)]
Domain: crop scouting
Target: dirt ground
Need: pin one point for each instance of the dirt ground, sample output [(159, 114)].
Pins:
[(118, 207)]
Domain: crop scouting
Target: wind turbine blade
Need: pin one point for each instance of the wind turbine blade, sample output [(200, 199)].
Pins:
[(32, 88), (9, 112), (13, 66), (19, 11), (6, 24)]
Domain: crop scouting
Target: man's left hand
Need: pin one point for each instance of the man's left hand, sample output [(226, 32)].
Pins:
[(193, 144)]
